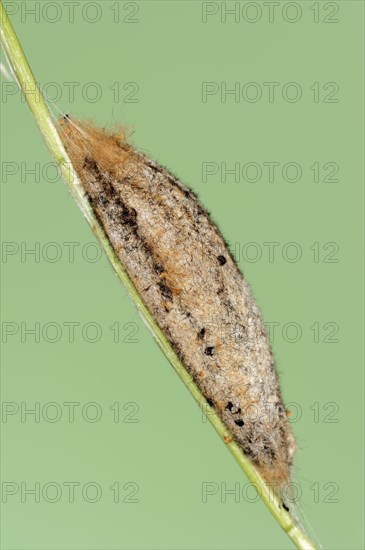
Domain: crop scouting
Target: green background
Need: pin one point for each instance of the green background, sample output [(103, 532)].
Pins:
[(171, 451)]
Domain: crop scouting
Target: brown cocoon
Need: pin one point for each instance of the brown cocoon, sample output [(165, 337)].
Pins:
[(186, 276)]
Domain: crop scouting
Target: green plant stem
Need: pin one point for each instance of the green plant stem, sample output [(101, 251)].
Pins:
[(47, 127)]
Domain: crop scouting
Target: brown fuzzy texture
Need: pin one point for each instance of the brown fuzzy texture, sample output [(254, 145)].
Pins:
[(186, 276)]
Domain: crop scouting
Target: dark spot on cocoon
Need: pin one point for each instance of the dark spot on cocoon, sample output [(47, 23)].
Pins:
[(158, 268), (128, 215), (239, 422), (165, 291), (270, 453), (103, 201), (222, 260), (90, 164), (201, 333), (209, 350), (285, 507), (230, 406)]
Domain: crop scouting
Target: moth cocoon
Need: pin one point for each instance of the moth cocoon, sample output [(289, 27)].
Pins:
[(182, 268)]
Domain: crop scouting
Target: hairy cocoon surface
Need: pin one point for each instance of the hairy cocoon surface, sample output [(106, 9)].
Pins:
[(186, 276)]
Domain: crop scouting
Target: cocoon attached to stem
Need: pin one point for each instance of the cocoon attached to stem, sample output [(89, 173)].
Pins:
[(180, 274), (182, 268)]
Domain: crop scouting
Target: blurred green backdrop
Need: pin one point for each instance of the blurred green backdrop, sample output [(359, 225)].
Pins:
[(117, 454)]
